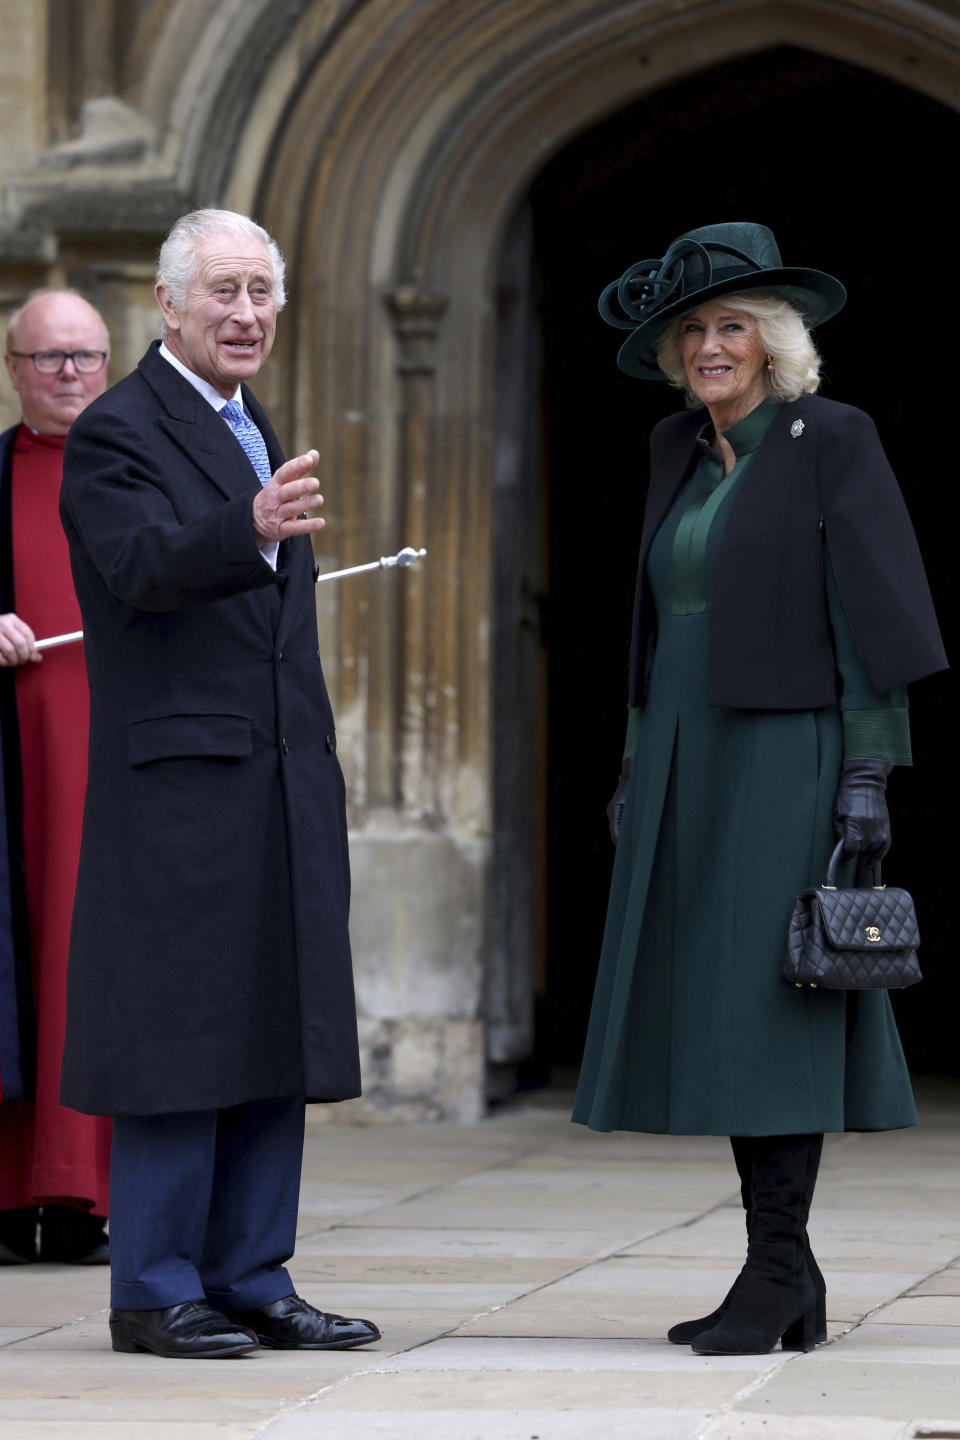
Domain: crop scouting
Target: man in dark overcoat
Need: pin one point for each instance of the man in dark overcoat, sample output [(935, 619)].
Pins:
[(210, 986)]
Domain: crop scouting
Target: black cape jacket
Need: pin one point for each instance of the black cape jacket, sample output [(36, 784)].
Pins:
[(820, 478)]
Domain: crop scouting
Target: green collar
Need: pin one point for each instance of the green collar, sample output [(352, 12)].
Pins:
[(746, 435)]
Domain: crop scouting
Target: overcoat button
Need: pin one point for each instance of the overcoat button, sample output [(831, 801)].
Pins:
[(331, 743)]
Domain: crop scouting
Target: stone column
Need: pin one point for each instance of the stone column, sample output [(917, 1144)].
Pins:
[(417, 315), (417, 923)]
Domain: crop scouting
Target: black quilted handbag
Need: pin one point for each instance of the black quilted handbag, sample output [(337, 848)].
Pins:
[(864, 938)]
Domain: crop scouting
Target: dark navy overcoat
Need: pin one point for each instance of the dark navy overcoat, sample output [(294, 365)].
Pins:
[(210, 961)]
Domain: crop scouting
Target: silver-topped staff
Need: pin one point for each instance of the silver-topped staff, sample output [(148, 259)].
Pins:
[(403, 559)]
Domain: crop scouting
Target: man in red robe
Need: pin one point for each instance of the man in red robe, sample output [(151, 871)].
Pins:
[(54, 1162)]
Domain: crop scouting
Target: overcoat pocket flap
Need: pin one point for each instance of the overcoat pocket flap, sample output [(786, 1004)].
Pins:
[(168, 737)]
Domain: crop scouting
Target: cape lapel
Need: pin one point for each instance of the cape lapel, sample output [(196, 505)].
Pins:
[(670, 466), (672, 455)]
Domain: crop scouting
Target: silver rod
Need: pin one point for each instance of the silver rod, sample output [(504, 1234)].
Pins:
[(403, 558), (53, 640)]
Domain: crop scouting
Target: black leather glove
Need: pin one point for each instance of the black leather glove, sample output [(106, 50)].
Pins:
[(860, 817), (615, 808)]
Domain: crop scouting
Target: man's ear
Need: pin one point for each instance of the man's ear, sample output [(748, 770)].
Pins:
[(12, 371), (171, 315)]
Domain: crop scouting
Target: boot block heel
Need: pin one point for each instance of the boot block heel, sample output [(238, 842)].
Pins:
[(802, 1334), (124, 1343)]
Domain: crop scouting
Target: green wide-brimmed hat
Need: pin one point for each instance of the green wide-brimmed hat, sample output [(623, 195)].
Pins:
[(699, 266)]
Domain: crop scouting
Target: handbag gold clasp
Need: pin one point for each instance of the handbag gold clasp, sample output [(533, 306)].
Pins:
[(872, 934)]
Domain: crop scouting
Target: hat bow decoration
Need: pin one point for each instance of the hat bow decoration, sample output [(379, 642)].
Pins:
[(649, 285)]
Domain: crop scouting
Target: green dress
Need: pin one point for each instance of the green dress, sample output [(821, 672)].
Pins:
[(728, 815)]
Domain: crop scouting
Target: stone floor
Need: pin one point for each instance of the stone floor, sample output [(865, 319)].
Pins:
[(523, 1272)]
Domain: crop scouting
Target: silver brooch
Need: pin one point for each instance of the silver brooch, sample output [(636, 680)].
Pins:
[(797, 429)]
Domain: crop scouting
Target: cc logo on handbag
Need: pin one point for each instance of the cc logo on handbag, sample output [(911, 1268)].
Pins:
[(872, 934)]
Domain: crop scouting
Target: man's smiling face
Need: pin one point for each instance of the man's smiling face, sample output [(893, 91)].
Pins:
[(226, 329)]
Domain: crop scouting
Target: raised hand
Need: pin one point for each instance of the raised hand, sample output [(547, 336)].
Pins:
[(278, 509)]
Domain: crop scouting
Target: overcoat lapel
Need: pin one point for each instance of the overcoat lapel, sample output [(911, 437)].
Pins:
[(212, 448), (197, 430)]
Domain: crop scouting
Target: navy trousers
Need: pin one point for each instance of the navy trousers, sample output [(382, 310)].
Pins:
[(203, 1205)]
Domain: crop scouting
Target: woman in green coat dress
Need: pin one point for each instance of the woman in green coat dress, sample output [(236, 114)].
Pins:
[(781, 610)]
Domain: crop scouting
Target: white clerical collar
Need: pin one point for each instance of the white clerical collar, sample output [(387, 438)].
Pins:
[(203, 387)]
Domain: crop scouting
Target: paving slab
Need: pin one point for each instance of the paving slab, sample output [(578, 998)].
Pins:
[(803, 1427), (893, 1390), (492, 1424), (917, 1240), (457, 1296), (41, 1295), (10, 1334), (635, 1295), (469, 1242), (591, 1390), (427, 1269), (127, 1429), (879, 1342), (922, 1310), (460, 1207), (947, 1282), (574, 1355)]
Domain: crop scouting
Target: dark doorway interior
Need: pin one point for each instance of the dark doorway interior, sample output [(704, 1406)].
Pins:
[(851, 173)]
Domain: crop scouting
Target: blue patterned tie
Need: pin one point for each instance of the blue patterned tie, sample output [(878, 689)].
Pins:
[(250, 438)]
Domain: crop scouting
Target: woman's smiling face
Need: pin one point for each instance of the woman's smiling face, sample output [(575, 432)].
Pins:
[(724, 360)]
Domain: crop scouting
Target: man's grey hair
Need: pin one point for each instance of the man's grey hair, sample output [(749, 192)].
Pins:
[(177, 262)]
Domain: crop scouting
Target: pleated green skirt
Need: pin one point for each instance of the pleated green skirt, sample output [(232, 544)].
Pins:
[(728, 816)]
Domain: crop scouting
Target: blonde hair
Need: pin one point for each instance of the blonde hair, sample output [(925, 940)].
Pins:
[(782, 333)]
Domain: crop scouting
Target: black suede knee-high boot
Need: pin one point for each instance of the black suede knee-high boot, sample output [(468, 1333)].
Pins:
[(816, 1274), (775, 1297), (687, 1330)]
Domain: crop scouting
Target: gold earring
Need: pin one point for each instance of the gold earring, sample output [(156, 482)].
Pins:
[(771, 363)]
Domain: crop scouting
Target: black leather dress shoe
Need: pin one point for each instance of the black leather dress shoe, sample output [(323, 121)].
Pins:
[(18, 1236), (191, 1331), (73, 1237), (292, 1324)]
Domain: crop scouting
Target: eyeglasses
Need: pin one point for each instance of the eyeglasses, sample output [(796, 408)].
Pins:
[(51, 362)]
